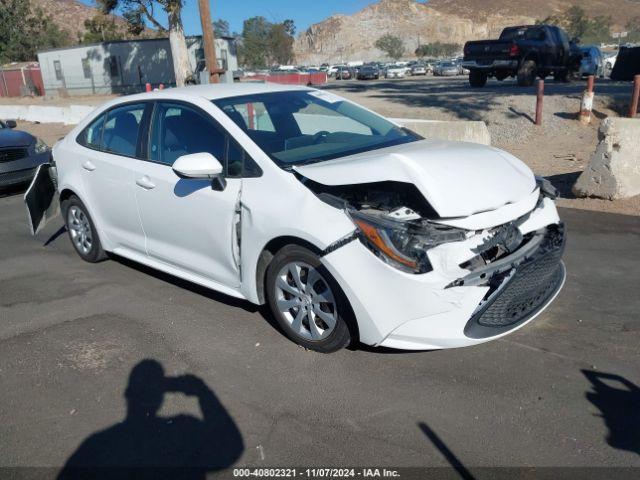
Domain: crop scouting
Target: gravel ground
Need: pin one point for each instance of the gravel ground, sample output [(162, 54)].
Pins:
[(560, 149)]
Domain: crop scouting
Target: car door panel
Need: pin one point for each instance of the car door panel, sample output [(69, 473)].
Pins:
[(187, 223), (107, 175)]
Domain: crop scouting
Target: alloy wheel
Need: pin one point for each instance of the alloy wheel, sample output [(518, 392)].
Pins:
[(80, 229), (306, 301)]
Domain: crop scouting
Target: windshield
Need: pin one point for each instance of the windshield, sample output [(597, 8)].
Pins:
[(307, 126)]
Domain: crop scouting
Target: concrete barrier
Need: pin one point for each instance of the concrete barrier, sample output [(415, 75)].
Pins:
[(464, 131), (614, 169), (70, 115)]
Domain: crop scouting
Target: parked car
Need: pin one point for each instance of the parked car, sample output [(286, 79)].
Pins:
[(368, 72), (395, 71), (418, 69), (446, 69), (343, 73), (20, 154), (331, 71), (610, 61), (592, 62), (348, 226), (524, 52)]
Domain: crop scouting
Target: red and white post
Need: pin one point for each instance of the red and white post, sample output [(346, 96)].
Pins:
[(586, 105), (633, 108), (539, 102)]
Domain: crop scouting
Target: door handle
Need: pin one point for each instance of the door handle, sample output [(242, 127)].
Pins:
[(145, 182), (89, 166)]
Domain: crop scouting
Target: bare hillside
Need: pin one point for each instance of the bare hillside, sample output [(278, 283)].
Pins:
[(351, 37)]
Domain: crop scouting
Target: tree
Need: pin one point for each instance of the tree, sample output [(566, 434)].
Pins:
[(23, 32), (264, 43), (137, 11), (391, 45), (221, 28), (101, 28), (578, 23), (633, 27), (437, 49)]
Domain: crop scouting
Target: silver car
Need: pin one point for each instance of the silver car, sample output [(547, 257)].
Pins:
[(446, 69)]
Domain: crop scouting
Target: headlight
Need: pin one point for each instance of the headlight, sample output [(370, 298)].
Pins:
[(41, 147), (403, 245)]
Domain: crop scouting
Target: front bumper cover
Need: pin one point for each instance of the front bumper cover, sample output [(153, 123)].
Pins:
[(517, 294)]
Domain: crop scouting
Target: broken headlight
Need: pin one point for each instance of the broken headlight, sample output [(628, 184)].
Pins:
[(403, 244)]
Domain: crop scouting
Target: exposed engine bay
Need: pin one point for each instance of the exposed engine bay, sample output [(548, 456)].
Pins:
[(399, 226)]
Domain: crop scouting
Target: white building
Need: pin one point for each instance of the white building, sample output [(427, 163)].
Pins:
[(123, 66)]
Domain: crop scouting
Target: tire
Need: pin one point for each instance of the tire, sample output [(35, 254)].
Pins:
[(478, 78), (82, 231), (527, 73), (295, 308)]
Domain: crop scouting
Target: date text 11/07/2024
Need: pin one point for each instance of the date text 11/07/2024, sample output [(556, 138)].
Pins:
[(315, 473)]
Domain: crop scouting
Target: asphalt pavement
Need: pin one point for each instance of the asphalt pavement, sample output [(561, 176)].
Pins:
[(88, 353)]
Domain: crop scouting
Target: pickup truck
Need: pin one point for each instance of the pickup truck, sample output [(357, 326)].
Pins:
[(523, 52)]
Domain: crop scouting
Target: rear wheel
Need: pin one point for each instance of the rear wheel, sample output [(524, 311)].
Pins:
[(527, 73), (306, 301), (478, 78), (82, 231)]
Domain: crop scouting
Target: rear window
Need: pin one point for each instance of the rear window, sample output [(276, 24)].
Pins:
[(523, 33)]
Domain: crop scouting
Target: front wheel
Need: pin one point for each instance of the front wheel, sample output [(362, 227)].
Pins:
[(478, 78), (306, 301)]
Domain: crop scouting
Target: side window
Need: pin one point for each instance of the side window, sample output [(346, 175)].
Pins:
[(239, 163), (121, 129), (180, 130), (91, 136), (535, 34)]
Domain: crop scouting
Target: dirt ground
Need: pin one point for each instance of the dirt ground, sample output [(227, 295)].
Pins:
[(560, 149)]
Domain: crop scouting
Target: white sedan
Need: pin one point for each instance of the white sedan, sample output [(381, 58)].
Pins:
[(350, 227)]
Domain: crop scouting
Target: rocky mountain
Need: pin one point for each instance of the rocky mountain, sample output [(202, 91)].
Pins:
[(351, 37), (70, 15)]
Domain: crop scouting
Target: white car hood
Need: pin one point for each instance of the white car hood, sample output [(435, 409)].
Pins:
[(458, 179)]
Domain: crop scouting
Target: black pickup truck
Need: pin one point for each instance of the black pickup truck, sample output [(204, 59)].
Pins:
[(523, 52)]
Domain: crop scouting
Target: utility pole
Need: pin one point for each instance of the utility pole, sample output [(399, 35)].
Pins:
[(208, 41)]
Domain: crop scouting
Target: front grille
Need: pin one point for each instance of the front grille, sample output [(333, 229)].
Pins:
[(20, 176), (12, 154), (518, 294)]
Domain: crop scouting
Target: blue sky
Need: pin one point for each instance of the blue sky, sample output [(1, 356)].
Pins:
[(303, 12)]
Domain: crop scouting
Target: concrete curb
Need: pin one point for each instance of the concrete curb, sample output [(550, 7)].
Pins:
[(614, 169), (70, 115), (463, 131)]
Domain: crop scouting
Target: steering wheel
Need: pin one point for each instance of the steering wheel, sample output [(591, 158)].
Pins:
[(321, 135)]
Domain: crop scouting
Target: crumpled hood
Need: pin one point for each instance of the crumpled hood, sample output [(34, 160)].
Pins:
[(15, 138), (458, 179)]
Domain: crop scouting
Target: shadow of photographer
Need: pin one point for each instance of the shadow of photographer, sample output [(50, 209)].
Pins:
[(145, 445), (618, 400)]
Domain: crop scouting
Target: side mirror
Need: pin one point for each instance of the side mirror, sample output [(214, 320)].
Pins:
[(197, 165), (11, 124)]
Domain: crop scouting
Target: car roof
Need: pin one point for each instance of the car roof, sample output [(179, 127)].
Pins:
[(211, 91)]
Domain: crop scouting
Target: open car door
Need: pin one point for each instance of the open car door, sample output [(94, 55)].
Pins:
[(41, 198)]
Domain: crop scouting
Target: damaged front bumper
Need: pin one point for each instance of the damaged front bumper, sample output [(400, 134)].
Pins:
[(460, 302), (520, 284)]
